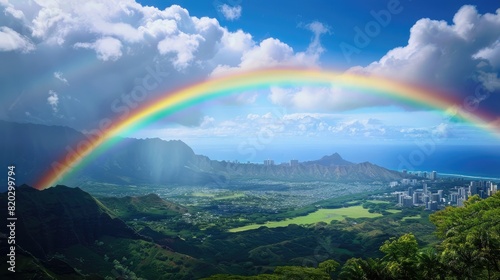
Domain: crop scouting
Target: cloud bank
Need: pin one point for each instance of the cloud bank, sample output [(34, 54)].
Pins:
[(100, 52), (106, 57), (462, 58)]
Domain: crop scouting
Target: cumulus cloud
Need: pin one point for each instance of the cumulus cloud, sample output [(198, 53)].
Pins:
[(148, 51), (230, 13), (9, 9), (106, 48), (457, 57), (307, 98), (207, 122), (448, 56), (360, 127), (10, 40), (441, 54), (53, 100), (184, 46), (138, 43), (325, 126), (59, 76), (270, 52), (318, 29)]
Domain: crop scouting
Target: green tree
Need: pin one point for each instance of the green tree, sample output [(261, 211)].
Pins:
[(301, 273), (353, 270), (471, 245), (359, 269), (400, 256), (328, 266), (429, 265)]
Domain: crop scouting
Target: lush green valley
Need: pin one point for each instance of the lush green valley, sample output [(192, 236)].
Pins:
[(224, 234)]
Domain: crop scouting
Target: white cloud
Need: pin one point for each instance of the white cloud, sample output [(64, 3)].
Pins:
[(10, 40), (455, 57), (53, 100), (59, 76), (336, 127), (9, 9), (318, 29), (443, 55), (106, 48), (270, 52), (207, 122), (52, 23), (491, 54), (184, 46), (123, 33), (230, 13), (308, 98)]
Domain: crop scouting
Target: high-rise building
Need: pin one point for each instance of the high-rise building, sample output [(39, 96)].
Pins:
[(410, 191), (454, 198), (482, 194), (294, 162), (400, 196), (462, 193), (268, 162), (416, 198), (433, 175), (474, 188), (407, 201), (425, 199), (435, 197), (433, 206), (425, 188), (440, 193)]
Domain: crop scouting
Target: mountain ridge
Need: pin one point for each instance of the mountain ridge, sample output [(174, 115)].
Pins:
[(155, 161), (62, 217), (333, 159)]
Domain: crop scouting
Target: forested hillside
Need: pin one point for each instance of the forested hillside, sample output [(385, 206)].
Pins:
[(470, 249)]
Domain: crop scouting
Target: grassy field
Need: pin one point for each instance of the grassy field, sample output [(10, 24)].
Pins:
[(230, 196), (352, 202), (322, 215), (202, 194), (377, 201), (219, 195), (411, 218), (393, 211)]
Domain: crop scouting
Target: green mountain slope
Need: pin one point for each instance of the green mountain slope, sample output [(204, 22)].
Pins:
[(150, 205)]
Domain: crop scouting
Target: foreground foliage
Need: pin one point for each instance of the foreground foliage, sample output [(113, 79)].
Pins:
[(470, 249)]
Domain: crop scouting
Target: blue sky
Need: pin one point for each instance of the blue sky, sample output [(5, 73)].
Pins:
[(74, 64), (282, 19)]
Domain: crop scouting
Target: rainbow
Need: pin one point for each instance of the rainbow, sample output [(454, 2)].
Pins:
[(211, 89)]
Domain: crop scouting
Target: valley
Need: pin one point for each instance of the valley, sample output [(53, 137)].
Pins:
[(321, 215), (196, 232), (242, 195), (190, 217)]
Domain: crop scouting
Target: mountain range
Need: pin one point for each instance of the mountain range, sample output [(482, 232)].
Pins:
[(61, 231), (34, 148), (60, 217)]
